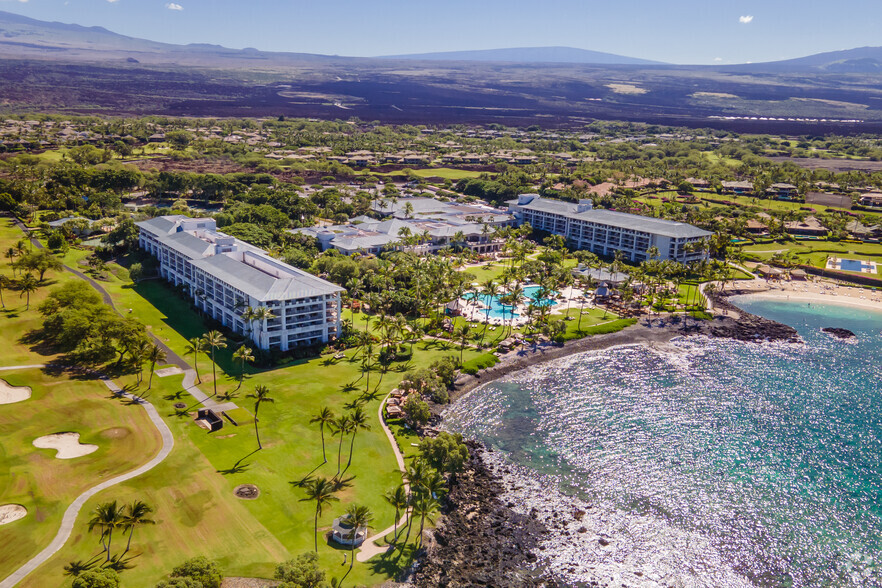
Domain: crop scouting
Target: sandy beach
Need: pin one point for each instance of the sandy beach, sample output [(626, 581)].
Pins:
[(822, 292)]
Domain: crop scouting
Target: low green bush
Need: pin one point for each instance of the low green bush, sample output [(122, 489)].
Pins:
[(473, 366)]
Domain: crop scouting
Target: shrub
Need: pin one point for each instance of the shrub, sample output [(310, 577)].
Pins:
[(301, 572), (473, 366), (202, 570)]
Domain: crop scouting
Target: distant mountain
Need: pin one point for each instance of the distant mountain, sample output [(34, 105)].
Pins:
[(27, 38), (530, 55), (859, 60)]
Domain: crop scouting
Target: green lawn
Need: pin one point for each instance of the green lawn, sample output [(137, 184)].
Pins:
[(292, 449), (45, 485), (815, 252)]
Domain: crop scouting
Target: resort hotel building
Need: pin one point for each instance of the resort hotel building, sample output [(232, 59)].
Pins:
[(224, 276), (605, 231), (436, 223)]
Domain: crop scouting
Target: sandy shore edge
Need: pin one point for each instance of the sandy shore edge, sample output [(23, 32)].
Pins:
[(792, 296)]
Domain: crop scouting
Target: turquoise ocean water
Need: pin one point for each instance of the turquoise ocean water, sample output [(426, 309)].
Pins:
[(701, 462)]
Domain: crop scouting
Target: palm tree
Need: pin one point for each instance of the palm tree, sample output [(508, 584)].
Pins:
[(398, 500), (360, 517), (342, 425), (196, 345), (214, 340), (26, 285), (249, 316), (242, 355), (490, 289), (357, 420), (136, 514), (155, 354), (106, 517), (425, 507), (463, 335), (433, 483), (322, 492), (4, 283), (324, 417), (10, 255), (262, 314), (260, 395), (367, 358)]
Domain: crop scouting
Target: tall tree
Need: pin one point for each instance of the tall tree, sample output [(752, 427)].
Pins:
[(397, 499), (342, 425), (155, 354), (136, 514), (324, 417), (26, 285), (424, 506), (260, 396), (360, 517), (214, 341), (320, 490), (242, 354), (358, 421), (196, 345), (106, 517)]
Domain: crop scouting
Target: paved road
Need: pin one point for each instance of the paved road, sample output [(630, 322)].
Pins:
[(70, 515)]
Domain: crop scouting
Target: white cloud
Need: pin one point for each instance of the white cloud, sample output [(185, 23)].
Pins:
[(113, 1), (22, 1), (173, 6), (745, 19), (718, 59)]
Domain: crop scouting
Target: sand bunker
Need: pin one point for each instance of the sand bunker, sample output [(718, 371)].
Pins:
[(67, 445), (11, 512), (10, 394)]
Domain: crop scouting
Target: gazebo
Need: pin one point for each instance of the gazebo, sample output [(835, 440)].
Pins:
[(343, 532)]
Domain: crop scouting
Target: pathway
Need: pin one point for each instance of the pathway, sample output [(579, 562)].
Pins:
[(370, 548), (70, 515), (171, 357)]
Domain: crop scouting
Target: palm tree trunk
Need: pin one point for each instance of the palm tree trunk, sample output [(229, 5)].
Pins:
[(395, 526), (339, 453), (351, 448), (315, 532), (256, 430), (196, 367), (214, 373), (129, 542), (109, 539), (324, 455), (150, 382)]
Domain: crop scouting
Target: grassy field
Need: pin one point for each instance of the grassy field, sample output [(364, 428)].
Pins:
[(816, 252), (45, 485), (199, 513)]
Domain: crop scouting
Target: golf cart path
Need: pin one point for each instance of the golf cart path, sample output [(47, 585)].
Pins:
[(70, 515), (370, 548)]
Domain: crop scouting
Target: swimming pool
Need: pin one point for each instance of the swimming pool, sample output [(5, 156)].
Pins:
[(507, 311), (854, 265)]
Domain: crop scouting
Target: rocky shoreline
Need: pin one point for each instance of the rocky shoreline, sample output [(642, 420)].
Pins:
[(482, 541)]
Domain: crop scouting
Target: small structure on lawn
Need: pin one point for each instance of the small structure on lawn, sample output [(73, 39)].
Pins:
[(209, 419), (454, 308), (345, 534)]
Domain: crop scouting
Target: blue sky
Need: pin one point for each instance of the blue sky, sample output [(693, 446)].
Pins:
[(675, 31)]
